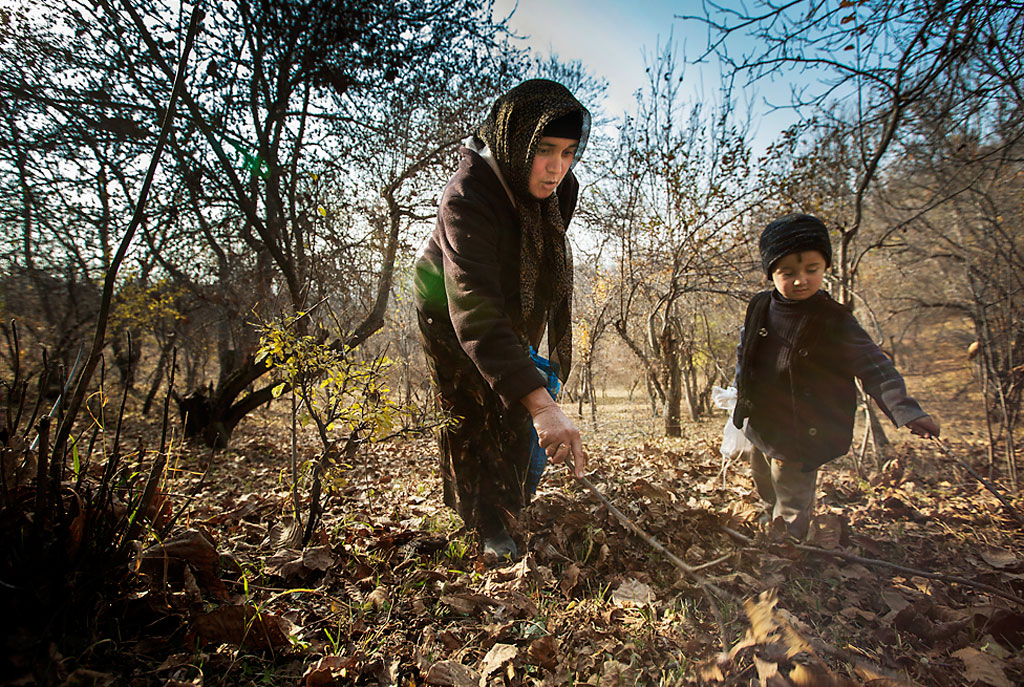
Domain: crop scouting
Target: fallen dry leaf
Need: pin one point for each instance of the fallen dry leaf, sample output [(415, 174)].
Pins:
[(467, 604), (825, 531), (292, 563), (452, 674), (543, 652), (570, 576), (616, 674), (632, 593), (856, 572), (893, 599), (496, 657), (711, 672), (318, 558), (1000, 559), (286, 534), (768, 671), (162, 562), (853, 612), (644, 488), (740, 513), (378, 599), (83, 677), (327, 671), (242, 626), (761, 615), (1005, 625), (811, 674), (982, 667)]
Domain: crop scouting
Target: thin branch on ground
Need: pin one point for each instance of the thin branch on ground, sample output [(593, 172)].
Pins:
[(853, 558), (709, 589), (988, 485)]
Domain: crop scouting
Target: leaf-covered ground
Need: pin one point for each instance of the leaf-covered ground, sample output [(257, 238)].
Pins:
[(393, 591)]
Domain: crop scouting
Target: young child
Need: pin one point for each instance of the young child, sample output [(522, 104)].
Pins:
[(798, 355)]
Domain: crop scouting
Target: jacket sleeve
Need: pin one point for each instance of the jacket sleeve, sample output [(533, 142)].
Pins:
[(878, 375), (476, 303)]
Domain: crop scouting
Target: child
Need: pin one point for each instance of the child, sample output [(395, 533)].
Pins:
[(798, 355)]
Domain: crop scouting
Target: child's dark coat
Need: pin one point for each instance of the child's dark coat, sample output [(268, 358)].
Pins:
[(802, 406)]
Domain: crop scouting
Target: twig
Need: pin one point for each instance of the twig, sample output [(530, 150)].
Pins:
[(706, 586), (859, 662), (60, 397), (988, 485), (167, 528), (955, 579), (711, 564)]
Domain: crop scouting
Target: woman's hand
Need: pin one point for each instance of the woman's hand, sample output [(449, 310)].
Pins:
[(557, 434), (924, 427)]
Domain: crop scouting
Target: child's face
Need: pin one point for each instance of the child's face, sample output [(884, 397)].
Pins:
[(798, 276)]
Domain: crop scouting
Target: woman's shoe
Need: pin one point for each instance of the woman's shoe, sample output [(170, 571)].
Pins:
[(495, 537), (500, 545)]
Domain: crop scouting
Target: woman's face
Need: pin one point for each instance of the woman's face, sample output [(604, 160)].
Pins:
[(551, 162)]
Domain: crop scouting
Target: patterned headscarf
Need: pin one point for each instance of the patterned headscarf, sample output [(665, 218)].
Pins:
[(513, 131)]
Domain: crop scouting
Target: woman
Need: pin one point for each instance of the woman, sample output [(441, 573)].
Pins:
[(494, 275)]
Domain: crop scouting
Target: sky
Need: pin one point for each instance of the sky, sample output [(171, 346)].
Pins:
[(611, 38)]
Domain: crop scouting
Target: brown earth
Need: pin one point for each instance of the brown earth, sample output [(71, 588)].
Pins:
[(913, 574)]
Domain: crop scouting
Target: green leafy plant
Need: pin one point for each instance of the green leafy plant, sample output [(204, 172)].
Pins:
[(342, 393)]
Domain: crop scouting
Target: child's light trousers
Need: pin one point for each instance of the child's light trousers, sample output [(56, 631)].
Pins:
[(784, 486)]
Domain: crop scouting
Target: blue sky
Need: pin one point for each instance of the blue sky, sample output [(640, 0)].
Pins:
[(608, 36), (611, 38)]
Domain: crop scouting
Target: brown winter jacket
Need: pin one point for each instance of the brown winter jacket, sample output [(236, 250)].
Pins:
[(467, 276)]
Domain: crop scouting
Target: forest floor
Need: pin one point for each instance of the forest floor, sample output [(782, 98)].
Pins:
[(913, 573)]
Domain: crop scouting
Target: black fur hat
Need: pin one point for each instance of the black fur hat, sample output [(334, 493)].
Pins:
[(793, 234)]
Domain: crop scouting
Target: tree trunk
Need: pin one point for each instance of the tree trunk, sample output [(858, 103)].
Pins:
[(165, 353), (213, 414), (593, 394), (127, 353), (582, 391), (881, 441), (651, 395), (689, 374), (673, 382), (650, 373)]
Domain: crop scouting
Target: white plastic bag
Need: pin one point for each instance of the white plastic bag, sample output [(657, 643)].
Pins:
[(724, 398), (733, 440)]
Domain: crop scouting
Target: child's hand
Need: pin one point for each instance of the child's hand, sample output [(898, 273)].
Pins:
[(924, 427)]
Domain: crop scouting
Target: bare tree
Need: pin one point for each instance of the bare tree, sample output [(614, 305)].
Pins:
[(684, 173), (66, 131), (883, 57), (957, 200), (297, 159)]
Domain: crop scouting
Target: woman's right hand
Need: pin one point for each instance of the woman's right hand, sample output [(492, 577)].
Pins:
[(558, 436)]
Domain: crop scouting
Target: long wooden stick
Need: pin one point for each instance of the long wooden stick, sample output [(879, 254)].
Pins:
[(988, 485), (706, 587)]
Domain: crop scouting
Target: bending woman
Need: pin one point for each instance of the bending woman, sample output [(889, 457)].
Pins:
[(494, 276)]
